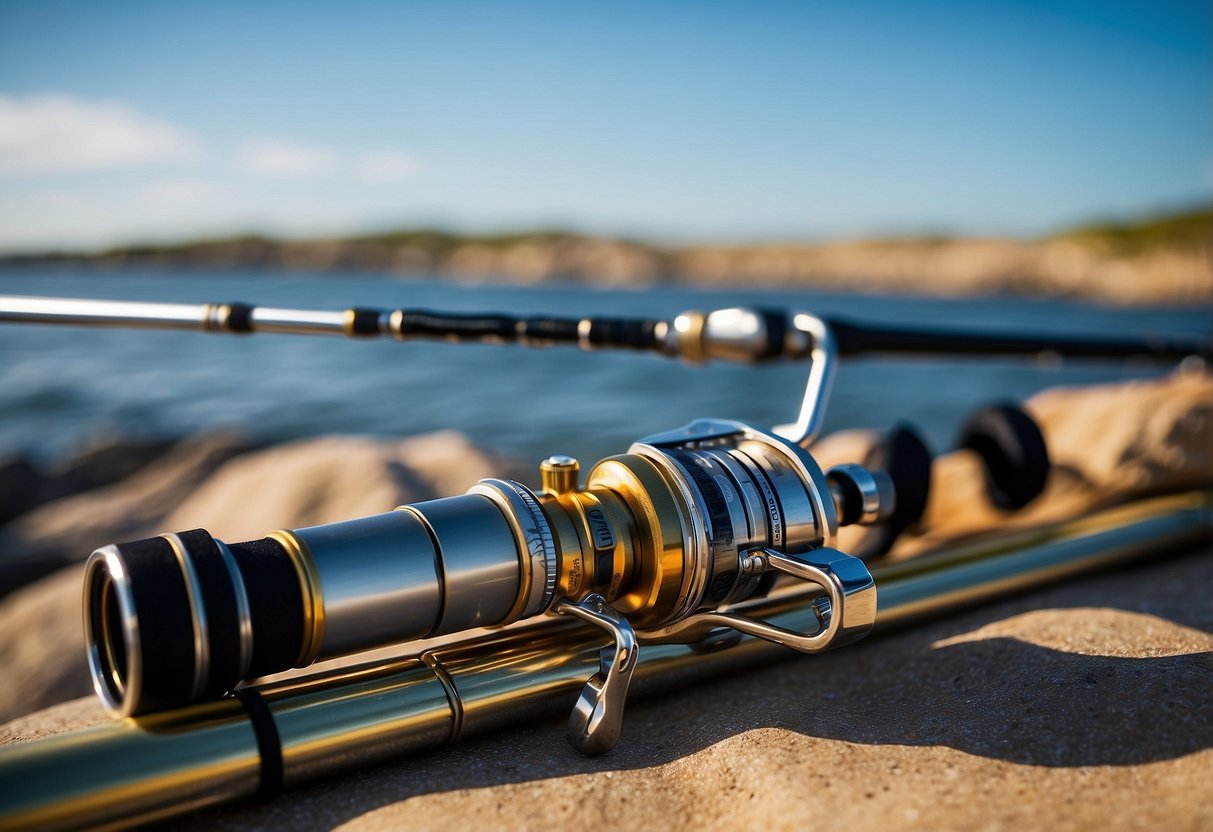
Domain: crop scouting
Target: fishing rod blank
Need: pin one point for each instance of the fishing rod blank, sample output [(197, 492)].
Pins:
[(743, 335)]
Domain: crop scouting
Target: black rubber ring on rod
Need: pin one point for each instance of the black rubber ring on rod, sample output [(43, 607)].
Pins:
[(269, 744), (239, 318), (364, 321)]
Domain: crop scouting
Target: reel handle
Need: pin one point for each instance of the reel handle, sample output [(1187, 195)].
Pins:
[(844, 614), (596, 721)]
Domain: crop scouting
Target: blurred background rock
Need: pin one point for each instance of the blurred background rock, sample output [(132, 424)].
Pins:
[(1162, 260)]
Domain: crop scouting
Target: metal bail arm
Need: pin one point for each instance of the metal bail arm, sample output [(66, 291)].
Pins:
[(597, 719), (823, 356), (845, 614)]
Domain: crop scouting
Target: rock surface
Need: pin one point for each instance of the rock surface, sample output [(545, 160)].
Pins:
[(24, 484), (1106, 443), (60, 532), (1154, 269), (200, 485), (315, 481)]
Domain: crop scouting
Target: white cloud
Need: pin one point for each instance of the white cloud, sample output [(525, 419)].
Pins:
[(183, 192), (55, 200), (385, 166), (283, 159), (230, 190), (43, 134)]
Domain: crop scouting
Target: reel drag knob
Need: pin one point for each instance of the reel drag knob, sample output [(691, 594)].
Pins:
[(861, 495), (560, 474)]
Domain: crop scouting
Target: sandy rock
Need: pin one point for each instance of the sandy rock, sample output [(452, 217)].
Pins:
[(102, 462), (315, 481), (1106, 443), (58, 533), (67, 716), (46, 663), (293, 485), (211, 482), (1135, 437), (25, 484)]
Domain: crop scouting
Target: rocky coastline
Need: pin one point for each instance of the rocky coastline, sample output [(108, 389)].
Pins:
[(1167, 261)]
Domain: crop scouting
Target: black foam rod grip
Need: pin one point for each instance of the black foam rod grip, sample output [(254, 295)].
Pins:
[(856, 339)]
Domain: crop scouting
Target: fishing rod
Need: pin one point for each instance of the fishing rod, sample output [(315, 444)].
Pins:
[(682, 540), (737, 334), (281, 734), (734, 334)]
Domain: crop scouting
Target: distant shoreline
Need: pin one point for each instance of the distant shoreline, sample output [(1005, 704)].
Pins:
[(1166, 260)]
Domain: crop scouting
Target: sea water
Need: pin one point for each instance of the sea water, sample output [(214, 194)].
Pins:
[(61, 387)]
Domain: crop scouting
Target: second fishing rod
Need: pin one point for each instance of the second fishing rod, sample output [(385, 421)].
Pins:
[(743, 334)]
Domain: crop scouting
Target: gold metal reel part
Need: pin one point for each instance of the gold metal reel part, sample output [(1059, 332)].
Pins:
[(845, 612)]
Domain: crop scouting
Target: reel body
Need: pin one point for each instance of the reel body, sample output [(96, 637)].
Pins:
[(659, 544)]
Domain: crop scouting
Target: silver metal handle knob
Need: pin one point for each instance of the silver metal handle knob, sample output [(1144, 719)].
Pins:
[(597, 719)]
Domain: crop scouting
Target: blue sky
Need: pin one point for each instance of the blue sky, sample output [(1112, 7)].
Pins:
[(706, 121)]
